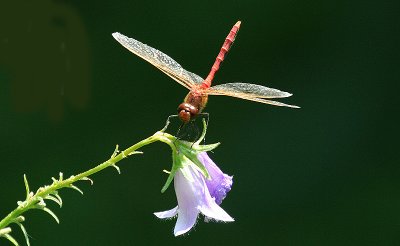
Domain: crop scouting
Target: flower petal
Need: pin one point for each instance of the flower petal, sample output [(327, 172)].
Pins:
[(186, 220), (215, 212), (167, 214), (197, 194), (186, 189), (210, 208), (206, 203), (220, 183)]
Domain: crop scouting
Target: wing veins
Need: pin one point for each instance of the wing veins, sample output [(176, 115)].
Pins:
[(250, 90), (223, 90), (160, 60)]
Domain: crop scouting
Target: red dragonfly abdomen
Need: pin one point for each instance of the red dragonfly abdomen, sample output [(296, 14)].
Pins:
[(225, 48), (196, 99)]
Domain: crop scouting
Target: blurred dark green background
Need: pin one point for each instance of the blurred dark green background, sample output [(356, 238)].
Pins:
[(327, 174)]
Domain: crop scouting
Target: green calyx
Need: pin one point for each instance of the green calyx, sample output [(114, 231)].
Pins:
[(185, 153)]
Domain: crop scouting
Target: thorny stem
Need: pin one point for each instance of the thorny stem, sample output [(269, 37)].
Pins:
[(32, 200)]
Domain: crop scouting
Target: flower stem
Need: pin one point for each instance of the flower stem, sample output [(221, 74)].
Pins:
[(36, 200)]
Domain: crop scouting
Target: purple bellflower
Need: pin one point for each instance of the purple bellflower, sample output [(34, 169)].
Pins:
[(200, 186), (219, 183)]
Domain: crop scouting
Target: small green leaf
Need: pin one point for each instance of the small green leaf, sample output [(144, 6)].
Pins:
[(175, 165), (193, 158), (169, 180), (52, 214), (41, 203), (11, 239), (26, 187), (55, 193), (116, 167), (206, 148), (19, 219), (5, 231), (88, 179), (54, 199), (25, 233), (61, 178), (115, 151), (75, 188), (135, 153)]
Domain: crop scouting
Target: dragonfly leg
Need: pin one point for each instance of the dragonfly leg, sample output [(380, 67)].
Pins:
[(207, 116), (168, 121), (197, 132), (179, 130), (189, 130)]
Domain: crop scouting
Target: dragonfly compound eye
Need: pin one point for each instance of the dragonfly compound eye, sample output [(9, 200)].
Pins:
[(186, 112), (184, 116)]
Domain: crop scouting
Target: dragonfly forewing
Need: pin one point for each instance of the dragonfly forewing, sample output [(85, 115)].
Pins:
[(160, 60)]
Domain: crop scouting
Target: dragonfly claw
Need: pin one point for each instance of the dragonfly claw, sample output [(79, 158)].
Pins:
[(168, 122)]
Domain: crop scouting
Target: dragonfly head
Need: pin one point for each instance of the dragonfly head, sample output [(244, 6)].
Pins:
[(186, 112)]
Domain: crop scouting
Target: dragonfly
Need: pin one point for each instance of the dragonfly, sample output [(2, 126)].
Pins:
[(199, 88)]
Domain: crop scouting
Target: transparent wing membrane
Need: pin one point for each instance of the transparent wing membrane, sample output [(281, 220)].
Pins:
[(251, 92), (160, 60), (275, 103)]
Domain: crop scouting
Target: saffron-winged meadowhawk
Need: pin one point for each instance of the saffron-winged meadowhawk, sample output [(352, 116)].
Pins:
[(200, 88)]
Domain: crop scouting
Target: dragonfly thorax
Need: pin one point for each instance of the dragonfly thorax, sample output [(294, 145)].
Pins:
[(193, 104)]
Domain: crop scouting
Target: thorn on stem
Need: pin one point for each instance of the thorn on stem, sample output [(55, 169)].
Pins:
[(116, 167), (75, 188), (88, 179), (116, 151)]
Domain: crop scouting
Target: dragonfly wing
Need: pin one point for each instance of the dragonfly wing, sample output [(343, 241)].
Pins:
[(271, 102), (160, 60), (251, 92), (194, 77)]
